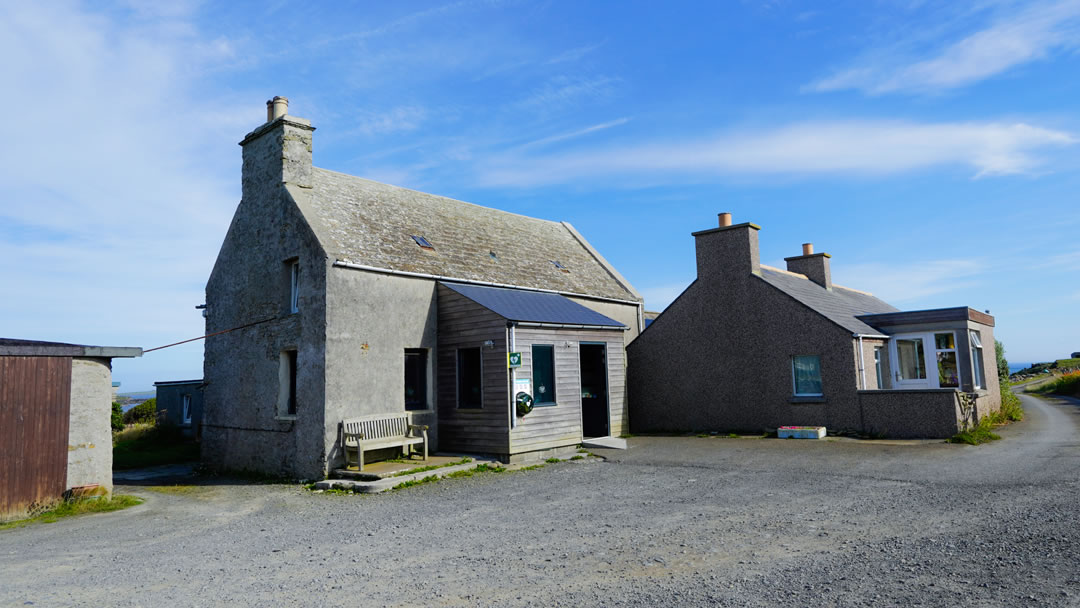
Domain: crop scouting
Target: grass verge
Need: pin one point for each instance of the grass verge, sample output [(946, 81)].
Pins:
[(140, 446), (1068, 385), (432, 467), (980, 434), (72, 508)]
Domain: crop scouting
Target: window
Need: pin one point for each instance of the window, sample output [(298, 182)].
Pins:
[(187, 409), (877, 367), (294, 289), (469, 375), (977, 359), (543, 370), (287, 383), (948, 372), (909, 354), (416, 379), (421, 241), (806, 373)]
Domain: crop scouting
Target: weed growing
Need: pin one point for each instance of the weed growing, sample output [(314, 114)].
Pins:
[(177, 490), (1068, 385), (578, 457), (980, 434), (415, 482), (71, 508), (432, 467), (553, 460)]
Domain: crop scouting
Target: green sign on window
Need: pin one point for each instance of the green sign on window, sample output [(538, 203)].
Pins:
[(513, 359)]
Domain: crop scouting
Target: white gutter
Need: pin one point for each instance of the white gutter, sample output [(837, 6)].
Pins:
[(435, 277), (569, 325)]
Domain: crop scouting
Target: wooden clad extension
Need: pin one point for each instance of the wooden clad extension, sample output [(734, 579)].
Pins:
[(465, 324), (560, 424), (35, 401)]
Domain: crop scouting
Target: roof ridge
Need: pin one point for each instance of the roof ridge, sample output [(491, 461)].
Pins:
[(865, 293), (447, 198), (775, 269)]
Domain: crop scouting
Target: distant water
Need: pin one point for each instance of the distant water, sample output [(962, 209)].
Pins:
[(1015, 367)]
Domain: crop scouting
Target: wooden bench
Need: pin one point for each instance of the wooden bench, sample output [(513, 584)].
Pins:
[(380, 431)]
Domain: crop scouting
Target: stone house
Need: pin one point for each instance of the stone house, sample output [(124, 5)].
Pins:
[(747, 347), (55, 422), (180, 404), (335, 297)]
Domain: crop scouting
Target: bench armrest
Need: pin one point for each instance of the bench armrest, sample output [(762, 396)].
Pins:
[(348, 435), (418, 427)]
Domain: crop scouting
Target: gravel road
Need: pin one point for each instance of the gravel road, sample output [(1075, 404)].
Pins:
[(671, 521)]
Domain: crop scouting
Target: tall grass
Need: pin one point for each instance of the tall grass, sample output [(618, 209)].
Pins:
[(1068, 385)]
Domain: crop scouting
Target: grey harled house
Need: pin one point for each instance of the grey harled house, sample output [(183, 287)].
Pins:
[(747, 347), (342, 297)]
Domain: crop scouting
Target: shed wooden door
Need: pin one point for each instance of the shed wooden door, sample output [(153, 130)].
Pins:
[(35, 402)]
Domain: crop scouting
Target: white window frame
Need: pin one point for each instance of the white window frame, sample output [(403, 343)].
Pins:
[(878, 366), (930, 364), (294, 286), (975, 347), (795, 386), (185, 408)]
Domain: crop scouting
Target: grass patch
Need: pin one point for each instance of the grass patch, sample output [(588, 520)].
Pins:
[(578, 457), (1011, 410), (72, 508), (432, 467), (176, 490), (553, 460), (489, 468), (582, 451), (416, 482), (140, 446), (531, 467), (982, 433)]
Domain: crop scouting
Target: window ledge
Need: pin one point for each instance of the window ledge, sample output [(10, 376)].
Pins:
[(807, 399), (535, 405), (428, 410), (285, 418)]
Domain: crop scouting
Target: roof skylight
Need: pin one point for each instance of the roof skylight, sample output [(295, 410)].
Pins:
[(559, 266), (421, 241)]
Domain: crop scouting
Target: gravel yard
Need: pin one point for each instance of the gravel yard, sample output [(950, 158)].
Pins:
[(687, 521)]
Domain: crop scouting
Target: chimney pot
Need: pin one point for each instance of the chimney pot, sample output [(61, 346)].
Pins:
[(725, 219), (276, 108), (807, 248)]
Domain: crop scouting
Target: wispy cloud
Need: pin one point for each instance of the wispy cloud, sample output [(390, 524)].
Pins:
[(562, 91), (574, 134), (122, 179), (1029, 32), (850, 147), (899, 283), (394, 120)]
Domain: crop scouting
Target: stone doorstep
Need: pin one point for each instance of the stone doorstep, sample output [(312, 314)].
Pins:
[(612, 443), (383, 484)]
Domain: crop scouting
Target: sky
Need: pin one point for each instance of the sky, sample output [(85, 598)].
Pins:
[(932, 148)]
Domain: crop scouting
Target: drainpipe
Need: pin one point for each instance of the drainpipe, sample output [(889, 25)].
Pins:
[(512, 344), (862, 364)]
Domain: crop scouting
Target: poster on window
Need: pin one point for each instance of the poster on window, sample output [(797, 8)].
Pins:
[(523, 385)]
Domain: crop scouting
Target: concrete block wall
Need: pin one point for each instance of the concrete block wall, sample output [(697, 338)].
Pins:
[(90, 430)]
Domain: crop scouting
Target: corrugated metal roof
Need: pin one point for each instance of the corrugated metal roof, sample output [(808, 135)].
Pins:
[(840, 305), (372, 224), (532, 306)]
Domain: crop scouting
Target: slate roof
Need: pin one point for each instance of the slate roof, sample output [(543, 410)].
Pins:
[(840, 305), (532, 306), (371, 224)]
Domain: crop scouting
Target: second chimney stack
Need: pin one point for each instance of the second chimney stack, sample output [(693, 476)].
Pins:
[(276, 108)]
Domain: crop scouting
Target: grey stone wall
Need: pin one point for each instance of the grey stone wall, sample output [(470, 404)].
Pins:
[(90, 430), (931, 413), (243, 428), (371, 319), (719, 359)]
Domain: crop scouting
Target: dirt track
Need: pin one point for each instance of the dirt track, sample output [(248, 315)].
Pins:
[(688, 521)]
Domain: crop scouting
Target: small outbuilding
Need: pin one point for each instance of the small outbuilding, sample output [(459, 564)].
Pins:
[(55, 413), (180, 404)]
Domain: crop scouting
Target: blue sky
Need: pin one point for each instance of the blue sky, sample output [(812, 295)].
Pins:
[(931, 148)]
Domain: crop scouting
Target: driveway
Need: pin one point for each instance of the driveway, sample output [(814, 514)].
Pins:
[(687, 521)]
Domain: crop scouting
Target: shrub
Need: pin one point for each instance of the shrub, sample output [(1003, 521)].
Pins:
[(1069, 385), (1011, 410), (117, 417), (145, 412)]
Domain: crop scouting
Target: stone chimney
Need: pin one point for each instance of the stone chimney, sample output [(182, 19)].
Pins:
[(727, 251), (814, 265), (277, 152)]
